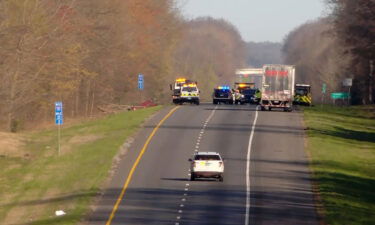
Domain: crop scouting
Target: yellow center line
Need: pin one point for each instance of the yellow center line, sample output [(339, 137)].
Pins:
[(126, 184)]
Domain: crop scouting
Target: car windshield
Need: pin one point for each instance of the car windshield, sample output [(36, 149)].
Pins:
[(249, 91), (207, 157), (218, 91), (301, 91), (189, 89)]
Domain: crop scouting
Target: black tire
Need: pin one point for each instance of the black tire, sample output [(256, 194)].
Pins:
[(262, 108), (197, 102), (192, 177), (231, 102), (214, 102), (269, 109), (221, 178)]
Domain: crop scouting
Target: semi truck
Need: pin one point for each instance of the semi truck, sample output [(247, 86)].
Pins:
[(278, 87)]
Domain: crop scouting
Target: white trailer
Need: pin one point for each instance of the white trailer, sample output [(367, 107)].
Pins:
[(278, 87)]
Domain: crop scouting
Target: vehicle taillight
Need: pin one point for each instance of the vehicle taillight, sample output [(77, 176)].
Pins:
[(220, 164)]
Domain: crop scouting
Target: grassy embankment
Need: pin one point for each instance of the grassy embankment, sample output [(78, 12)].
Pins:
[(36, 183), (341, 141)]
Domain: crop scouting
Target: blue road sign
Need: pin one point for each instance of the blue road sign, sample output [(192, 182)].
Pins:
[(140, 82), (59, 116)]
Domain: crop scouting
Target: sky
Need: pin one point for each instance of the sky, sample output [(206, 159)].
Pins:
[(257, 20)]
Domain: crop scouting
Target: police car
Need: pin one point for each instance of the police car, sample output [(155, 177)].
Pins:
[(207, 165), (222, 94)]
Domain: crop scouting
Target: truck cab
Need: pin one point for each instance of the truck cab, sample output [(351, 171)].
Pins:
[(302, 95)]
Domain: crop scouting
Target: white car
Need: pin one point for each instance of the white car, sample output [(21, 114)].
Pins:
[(207, 165)]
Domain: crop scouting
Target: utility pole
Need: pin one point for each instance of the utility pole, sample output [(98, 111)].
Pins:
[(370, 85)]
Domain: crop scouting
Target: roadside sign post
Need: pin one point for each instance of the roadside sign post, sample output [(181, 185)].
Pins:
[(348, 82), (140, 82), (141, 85), (324, 90), (59, 120)]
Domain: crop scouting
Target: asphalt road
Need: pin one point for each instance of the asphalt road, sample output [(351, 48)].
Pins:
[(160, 191)]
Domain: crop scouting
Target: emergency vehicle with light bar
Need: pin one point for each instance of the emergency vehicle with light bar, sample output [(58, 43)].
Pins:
[(185, 91), (222, 94), (246, 93)]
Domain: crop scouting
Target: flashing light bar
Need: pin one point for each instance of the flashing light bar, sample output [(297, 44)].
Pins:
[(181, 80), (243, 85), (189, 85), (224, 87)]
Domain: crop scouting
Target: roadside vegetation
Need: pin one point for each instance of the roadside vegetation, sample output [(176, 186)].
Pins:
[(88, 55), (35, 181), (338, 46), (341, 143)]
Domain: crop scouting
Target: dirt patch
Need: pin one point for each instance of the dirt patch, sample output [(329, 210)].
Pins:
[(11, 145), (84, 139), (78, 140)]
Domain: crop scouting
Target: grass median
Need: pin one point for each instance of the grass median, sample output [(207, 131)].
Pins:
[(38, 182), (341, 142)]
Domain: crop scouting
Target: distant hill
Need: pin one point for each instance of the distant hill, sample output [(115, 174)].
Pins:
[(260, 53)]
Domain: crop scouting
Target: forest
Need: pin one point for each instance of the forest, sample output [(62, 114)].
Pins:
[(338, 46), (88, 54)]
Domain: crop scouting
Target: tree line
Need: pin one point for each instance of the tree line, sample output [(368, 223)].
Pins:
[(88, 53), (339, 46)]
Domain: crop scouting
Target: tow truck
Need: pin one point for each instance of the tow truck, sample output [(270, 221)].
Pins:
[(246, 93)]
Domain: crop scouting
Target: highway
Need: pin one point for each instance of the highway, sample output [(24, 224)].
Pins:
[(272, 187)]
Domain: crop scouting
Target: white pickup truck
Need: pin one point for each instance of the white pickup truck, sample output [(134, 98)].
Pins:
[(207, 165)]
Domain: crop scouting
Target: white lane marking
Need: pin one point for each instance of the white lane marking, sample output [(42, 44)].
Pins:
[(248, 168), (196, 150)]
